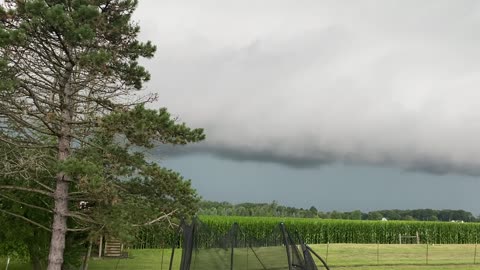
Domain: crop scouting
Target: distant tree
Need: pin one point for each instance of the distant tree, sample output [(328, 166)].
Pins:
[(241, 211), (312, 212), (375, 215), (213, 211), (322, 214), (335, 215), (282, 211), (392, 215), (356, 215), (273, 209)]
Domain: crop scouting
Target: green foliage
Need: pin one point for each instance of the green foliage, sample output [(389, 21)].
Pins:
[(143, 127), (125, 190), (21, 239)]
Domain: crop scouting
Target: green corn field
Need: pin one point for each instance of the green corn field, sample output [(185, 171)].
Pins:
[(320, 231)]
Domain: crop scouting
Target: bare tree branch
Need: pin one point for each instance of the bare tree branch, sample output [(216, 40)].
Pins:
[(80, 229), (79, 216), (164, 216)]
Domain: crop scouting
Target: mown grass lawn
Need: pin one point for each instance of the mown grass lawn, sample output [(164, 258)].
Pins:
[(340, 256)]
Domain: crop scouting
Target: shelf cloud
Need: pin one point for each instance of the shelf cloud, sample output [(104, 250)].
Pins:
[(307, 83)]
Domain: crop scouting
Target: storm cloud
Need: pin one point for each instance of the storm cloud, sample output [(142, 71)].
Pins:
[(306, 83)]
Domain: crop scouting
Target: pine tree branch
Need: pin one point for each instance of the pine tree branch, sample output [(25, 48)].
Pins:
[(28, 190), (25, 144), (26, 204), (26, 219), (43, 185)]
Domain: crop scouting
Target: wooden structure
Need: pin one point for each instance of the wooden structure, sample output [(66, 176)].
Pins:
[(110, 247)]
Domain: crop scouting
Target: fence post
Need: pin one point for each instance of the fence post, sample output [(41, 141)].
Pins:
[(161, 263), (426, 257), (8, 262), (475, 254), (326, 256)]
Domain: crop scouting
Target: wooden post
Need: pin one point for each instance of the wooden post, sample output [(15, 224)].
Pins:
[(245, 244), (418, 239), (326, 256), (105, 246), (400, 238), (161, 263), (475, 254), (426, 257), (100, 247)]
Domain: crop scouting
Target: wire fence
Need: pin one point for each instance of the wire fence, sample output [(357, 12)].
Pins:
[(351, 255), (396, 254)]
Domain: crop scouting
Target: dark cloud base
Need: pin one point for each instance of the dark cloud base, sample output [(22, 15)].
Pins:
[(239, 155), (416, 164)]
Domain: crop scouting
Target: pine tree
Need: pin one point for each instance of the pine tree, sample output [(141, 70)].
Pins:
[(70, 80)]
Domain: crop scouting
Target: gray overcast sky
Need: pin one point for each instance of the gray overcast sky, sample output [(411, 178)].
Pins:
[(354, 98)]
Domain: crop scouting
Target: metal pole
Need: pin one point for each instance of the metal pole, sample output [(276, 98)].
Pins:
[(171, 258), (318, 257), (287, 245)]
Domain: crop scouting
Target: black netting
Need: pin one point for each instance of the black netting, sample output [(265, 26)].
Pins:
[(203, 249)]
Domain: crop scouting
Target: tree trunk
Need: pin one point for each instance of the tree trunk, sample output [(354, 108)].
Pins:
[(60, 213), (59, 226)]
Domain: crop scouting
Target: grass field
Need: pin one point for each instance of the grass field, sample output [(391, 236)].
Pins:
[(340, 256)]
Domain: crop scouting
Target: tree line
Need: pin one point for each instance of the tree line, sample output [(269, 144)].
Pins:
[(274, 209)]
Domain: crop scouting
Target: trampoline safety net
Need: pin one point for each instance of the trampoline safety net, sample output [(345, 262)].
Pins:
[(202, 249)]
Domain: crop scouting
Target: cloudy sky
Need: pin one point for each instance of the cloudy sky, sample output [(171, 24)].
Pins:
[(338, 104)]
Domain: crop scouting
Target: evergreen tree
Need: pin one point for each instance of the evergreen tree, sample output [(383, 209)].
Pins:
[(70, 82)]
